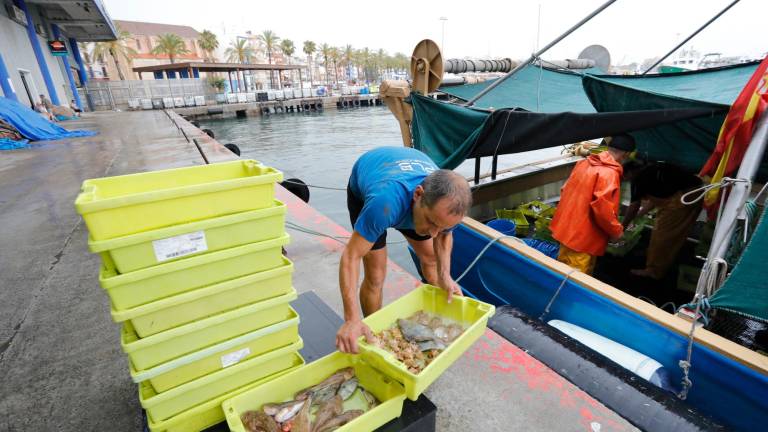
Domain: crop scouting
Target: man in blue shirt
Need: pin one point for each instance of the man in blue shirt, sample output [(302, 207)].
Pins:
[(401, 188)]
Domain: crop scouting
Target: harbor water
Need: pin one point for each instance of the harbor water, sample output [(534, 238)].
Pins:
[(320, 148)]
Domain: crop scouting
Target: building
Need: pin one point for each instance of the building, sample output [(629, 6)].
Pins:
[(38, 47), (143, 39)]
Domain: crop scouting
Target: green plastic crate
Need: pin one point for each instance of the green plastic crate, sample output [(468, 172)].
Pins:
[(220, 356), (207, 414), (471, 313), (122, 205), (389, 392), (177, 310), (145, 353), (149, 248), (154, 283), (162, 406), (521, 222), (534, 209)]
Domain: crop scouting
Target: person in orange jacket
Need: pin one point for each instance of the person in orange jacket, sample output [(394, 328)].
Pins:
[(587, 216)]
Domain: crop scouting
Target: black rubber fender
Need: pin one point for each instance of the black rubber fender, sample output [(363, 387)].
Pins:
[(233, 148), (209, 133), (297, 187)]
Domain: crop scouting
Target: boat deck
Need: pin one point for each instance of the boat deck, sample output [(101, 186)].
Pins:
[(60, 359)]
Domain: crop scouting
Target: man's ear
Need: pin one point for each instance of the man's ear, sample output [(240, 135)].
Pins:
[(418, 193)]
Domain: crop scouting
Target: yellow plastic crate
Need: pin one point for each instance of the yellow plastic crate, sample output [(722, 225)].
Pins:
[(170, 312), (151, 284), (521, 222), (117, 206), (220, 356), (162, 406), (151, 351), (207, 414), (470, 312), (137, 251), (389, 392)]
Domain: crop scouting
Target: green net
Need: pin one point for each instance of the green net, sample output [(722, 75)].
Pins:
[(746, 291)]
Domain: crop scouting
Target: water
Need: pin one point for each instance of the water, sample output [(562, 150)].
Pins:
[(320, 148)]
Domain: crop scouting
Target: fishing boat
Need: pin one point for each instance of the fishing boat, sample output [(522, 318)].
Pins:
[(674, 118)]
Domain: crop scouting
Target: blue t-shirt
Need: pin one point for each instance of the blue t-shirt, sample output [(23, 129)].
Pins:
[(385, 178)]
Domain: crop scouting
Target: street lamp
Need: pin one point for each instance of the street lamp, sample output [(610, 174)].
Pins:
[(442, 40)]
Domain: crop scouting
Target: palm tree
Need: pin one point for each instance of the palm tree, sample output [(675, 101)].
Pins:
[(380, 59), (309, 49), (171, 45), (240, 51), (269, 40), (287, 47), (325, 52), (116, 49), (365, 59), (208, 43), (348, 57), (335, 56)]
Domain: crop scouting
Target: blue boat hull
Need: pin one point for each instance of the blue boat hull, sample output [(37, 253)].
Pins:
[(732, 393)]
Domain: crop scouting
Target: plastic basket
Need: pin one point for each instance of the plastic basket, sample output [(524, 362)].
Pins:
[(162, 406), (222, 355), (534, 209), (470, 312), (149, 248), (207, 414), (154, 283), (151, 351), (516, 216), (117, 206), (504, 226), (628, 241), (389, 393), (174, 311)]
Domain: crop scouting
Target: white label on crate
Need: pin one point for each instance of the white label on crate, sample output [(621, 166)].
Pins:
[(228, 360), (179, 246)]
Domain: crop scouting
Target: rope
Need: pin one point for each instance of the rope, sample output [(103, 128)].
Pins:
[(296, 227), (477, 258), (314, 186), (557, 293), (703, 190)]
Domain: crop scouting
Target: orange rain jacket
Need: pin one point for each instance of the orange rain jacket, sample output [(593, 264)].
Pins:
[(587, 216)]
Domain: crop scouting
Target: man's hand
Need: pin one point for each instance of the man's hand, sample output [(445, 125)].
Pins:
[(450, 286), (349, 332)]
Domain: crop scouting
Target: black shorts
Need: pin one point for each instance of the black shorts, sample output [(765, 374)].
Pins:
[(355, 206)]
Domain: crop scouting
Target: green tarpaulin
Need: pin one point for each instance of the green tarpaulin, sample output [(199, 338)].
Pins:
[(745, 291), (674, 117)]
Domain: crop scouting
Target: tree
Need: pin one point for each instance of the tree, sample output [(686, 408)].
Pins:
[(309, 50), (208, 43), (365, 59), (347, 59), (117, 49), (269, 41), (325, 52), (171, 45), (335, 55), (287, 47), (240, 51), (381, 61)]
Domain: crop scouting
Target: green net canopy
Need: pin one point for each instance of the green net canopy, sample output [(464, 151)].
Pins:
[(674, 117)]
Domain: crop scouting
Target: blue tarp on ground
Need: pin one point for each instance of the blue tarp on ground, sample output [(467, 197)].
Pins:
[(9, 144), (32, 125)]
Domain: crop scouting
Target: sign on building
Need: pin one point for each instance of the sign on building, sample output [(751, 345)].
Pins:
[(57, 47)]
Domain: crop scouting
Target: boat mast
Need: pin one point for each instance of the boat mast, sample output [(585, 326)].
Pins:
[(536, 55), (691, 36), (733, 209)]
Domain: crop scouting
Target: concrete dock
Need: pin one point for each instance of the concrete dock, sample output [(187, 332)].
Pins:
[(61, 365)]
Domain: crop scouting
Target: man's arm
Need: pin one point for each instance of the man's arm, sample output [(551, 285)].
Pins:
[(443, 244), (631, 213), (349, 273)]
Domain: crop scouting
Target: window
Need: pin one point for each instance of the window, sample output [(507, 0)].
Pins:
[(138, 44)]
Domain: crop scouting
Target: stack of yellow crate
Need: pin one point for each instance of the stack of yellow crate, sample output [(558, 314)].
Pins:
[(192, 264)]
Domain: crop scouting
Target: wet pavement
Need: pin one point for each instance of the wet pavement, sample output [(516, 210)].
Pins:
[(61, 366)]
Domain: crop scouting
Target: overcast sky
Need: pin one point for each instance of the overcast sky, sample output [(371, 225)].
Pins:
[(632, 30)]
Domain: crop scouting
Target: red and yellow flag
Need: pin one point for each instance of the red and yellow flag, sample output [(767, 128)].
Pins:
[(736, 132)]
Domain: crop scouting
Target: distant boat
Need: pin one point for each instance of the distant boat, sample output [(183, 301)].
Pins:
[(691, 60)]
